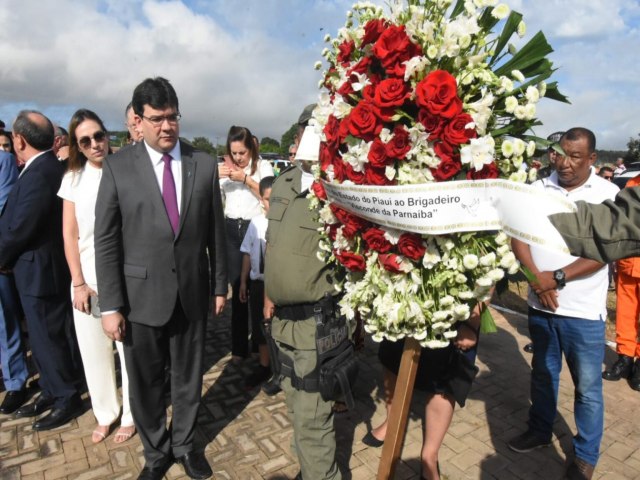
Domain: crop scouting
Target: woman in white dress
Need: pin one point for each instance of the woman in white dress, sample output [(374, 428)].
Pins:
[(88, 147), (240, 177)]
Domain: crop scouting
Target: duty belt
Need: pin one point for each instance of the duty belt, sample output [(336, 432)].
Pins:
[(299, 311)]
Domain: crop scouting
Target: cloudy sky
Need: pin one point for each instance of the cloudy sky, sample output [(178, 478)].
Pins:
[(251, 62)]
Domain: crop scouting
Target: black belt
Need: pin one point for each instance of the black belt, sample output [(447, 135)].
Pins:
[(300, 311)]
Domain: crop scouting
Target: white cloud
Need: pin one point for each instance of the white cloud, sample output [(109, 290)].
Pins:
[(251, 63)]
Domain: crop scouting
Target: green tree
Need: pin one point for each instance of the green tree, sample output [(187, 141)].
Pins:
[(633, 154), (204, 144), (269, 145)]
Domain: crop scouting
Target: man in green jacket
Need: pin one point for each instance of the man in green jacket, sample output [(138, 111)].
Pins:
[(604, 232)]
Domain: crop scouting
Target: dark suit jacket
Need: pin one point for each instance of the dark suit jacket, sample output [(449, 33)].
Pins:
[(141, 265), (31, 230)]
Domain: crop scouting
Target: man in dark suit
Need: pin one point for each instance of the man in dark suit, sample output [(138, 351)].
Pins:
[(31, 245), (14, 367), (160, 255)]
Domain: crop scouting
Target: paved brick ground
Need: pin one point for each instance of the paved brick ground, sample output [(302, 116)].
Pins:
[(247, 434)]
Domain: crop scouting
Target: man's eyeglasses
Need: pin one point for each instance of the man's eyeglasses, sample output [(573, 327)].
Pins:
[(172, 119), (98, 137), (292, 154)]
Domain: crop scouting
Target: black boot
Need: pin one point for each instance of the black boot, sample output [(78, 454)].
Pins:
[(620, 369), (634, 381)]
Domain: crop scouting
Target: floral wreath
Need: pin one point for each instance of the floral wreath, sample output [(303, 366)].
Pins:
[(428, 93)]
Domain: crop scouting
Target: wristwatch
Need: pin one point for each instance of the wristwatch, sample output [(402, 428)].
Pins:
[(559, 277)]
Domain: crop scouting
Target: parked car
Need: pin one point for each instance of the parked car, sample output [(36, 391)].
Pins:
[(633, 169)]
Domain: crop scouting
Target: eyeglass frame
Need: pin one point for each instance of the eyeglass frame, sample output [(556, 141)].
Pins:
[(86, 141), (172, 119)]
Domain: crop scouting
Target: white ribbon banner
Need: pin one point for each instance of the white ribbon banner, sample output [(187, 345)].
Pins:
[(462, 206)]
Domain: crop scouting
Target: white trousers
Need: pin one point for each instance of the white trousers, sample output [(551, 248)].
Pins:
[(96, 350)]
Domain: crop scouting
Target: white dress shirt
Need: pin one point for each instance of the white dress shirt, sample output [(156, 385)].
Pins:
[(176, 168)]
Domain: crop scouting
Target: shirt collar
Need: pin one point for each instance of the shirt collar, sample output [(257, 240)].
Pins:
[(30, 161), (156, 157), (552, 181)]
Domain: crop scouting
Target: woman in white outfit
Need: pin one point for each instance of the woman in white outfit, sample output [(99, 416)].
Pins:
[(88, 147)]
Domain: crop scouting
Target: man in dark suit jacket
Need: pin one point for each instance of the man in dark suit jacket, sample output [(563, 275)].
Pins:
[(31, 245), (160, 255)]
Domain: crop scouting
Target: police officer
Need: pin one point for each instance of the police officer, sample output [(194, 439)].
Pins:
[(296, 284)]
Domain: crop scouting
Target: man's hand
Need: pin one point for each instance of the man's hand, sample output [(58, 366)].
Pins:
[(243, 292), (114, 326), (218, 304), (545, 282), (268, 308), (549, 299)]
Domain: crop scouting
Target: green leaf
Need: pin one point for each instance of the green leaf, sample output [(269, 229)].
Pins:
[(554, 94), (509, 28), (531, 278), (458, 9), (535, 50), (487, 324), (487, 21)]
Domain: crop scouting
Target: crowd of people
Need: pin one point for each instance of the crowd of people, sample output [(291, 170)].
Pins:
[(132, 247)]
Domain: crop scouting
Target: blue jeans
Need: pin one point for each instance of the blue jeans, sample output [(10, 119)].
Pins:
[(14, 367), (582, 343)]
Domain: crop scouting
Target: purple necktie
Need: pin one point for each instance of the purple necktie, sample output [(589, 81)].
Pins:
[(169, 193)]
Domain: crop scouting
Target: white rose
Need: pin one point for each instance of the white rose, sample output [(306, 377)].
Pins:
[(532, 175), (510, 104), (508, 260), (500, 12), (501, 238), (461, 312), (533, 95), (531, 148), (522, 29), (488, 260), (496, 274), (470, 261), (517, 74), (520, 176), (446, 301)]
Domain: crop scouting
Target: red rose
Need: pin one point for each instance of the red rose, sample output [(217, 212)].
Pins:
[(438, 93), (411, 246), (318, 190), (376, 176), (433, 124), (364, 121), (338, 169), (394, 47), (326, 156), (345, 49), (332, 131), (351, 261), (376, 241), (332, 231), (361, 67), (391, 92), (369, 92), (345, 89), (390, 262), (488, 171), (455, 132), (355, 177), (399, 145), (351, 223), (449, 162), (378, 153), (372, 30)]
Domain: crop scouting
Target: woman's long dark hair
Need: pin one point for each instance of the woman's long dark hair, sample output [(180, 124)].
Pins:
[(243, 134), (77, 159)]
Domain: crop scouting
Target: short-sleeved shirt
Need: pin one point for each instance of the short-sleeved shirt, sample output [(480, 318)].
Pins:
[(81, 188), (584, 297), (254, 244), (239, 200)]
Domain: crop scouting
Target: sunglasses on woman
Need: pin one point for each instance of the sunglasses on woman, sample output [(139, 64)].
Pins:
[(85, 142)]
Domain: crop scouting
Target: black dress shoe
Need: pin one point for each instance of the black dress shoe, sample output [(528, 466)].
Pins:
[(372, 441), (59, 416), (620, 369), (195, 465), (634, 381), (35, 408), (157, 472), (528, 348), (12, 401)]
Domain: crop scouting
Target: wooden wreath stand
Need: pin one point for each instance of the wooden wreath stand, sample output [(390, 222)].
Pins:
[(399, 414)]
